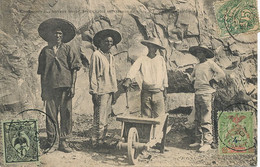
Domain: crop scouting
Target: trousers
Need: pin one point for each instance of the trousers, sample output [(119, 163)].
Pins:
[(203, 118), (152, 104), (58, 102), (102, 109)]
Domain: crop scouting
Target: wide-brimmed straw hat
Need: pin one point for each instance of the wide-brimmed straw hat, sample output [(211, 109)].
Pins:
[(47, 27), (194, 49), (153, 41), (107, 33)]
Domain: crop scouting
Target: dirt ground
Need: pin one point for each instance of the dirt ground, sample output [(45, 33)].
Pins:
[(177, 151)]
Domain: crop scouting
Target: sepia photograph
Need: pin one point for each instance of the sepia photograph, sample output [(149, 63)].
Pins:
[(117, 83)]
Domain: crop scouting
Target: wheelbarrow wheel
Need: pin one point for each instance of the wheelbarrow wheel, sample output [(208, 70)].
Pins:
[(164, 135), (132, 152)]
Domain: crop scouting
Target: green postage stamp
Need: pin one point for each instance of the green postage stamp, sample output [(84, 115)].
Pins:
[(236, 132), (236, 16), (20, 141)]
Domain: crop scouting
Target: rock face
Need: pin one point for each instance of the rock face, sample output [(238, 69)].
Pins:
[(178, 101), (179, 24)]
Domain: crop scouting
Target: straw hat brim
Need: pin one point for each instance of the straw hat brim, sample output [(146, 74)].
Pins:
[(193, 50), (147, 42), (47, 27), (107, 33)]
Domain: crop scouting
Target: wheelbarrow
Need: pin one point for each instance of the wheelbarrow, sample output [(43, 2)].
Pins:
[(138, 134)]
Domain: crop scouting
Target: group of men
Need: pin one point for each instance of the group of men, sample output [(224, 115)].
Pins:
[(58, 66)]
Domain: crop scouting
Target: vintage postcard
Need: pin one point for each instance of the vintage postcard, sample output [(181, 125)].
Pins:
[(128, 82)]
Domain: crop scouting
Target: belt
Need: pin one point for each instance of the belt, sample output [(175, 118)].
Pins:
[(152, 90)]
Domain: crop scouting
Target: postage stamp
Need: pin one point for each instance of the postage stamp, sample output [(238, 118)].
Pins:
[(20, 141), (236, 132), (236, 16)]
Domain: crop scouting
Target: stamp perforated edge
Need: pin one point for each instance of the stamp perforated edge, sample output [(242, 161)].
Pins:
[(254, 124), (3, 143), (216, 5)]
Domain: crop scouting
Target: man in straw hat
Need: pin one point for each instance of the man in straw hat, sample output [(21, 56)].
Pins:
[(204, 75), (154, 80), (103, 83), (58, 67)]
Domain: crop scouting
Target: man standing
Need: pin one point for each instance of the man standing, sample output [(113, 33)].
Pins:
[(204, 76), (58, 67), (154, 81), (103, 83)]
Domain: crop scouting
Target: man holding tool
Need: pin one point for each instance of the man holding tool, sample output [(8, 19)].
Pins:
[(154, 79), (58, 67)]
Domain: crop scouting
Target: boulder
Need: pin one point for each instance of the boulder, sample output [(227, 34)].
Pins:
[(17, 82), (175, 77), (179, 100)]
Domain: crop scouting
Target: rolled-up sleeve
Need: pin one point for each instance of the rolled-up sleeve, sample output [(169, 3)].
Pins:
[(41, 63), (134, 69), (74, 60), (218, 72), (192, 76)]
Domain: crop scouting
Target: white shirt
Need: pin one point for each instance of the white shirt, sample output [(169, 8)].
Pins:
[(102, 73), (153, 72), (203, 73)]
